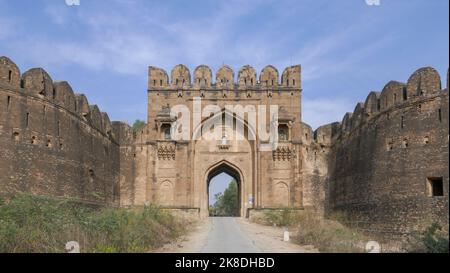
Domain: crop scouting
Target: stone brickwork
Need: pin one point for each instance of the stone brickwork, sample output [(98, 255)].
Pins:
[(176, 174), (388, 152), (52, 141), (385, 165)]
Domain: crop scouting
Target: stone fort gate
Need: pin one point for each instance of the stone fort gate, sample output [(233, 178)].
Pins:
[(176, 173)]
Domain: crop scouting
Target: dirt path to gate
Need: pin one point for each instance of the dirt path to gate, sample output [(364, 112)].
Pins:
[(233, 235)]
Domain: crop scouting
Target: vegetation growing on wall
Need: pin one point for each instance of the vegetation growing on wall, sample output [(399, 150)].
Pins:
[(138, 124)]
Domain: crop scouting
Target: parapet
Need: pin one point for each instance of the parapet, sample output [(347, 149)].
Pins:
[(157, 78), (423, 82), (9, 72), (269, 76), (247, 76), (181, 76), (325, 134), (38, 83), (122, 132), (292, 76), (224, 78), (64, 95), (393, 93), (203, 76)]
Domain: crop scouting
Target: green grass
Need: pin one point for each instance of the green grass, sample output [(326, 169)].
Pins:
[(30, 224)]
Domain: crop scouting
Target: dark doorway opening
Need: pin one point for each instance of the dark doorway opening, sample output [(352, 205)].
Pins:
[(224, 192)]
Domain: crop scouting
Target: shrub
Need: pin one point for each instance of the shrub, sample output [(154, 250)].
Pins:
[(312, 229), (432, 240), (30, 224)]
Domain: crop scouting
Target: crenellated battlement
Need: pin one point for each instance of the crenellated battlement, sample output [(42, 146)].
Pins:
[(37, 84), (202, 78), (423, 84), (387, 154), (53, 141)]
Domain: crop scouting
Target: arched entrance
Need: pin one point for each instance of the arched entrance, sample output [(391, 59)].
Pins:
[(234, 155), (234, 208)]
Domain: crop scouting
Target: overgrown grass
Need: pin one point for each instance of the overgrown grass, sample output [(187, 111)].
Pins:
[(30, 224), (311, 229)]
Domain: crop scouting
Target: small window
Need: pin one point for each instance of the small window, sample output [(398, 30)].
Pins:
[(251, 81), (435, 186), (405, 94), (9, 76), (160, 83), (91, 176), (27, 120), (440, 115), (58, 128), (16, 136), (176, 82), (166, 131), (390, 146), (378, 104), (272, 83), (54, 93), (283, 133), (403, 122), (395, 97), (293, 82), (154, 82), (8, 102)]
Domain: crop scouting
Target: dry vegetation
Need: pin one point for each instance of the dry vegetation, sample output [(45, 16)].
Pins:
[(30, 224), (311, 229)]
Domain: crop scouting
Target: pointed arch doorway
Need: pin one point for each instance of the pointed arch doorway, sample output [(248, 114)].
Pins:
[(234, 198)]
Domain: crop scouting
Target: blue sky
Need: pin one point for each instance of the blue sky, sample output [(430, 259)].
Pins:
[(346, 48)]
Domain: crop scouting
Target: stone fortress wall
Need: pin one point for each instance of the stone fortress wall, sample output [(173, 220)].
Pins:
[(385, 165), (388, 166), (52, 141)]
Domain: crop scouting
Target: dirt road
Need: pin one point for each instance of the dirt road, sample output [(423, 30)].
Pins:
[(233, 235)]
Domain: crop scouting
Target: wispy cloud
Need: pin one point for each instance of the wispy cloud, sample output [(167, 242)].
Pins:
[(320, 111)]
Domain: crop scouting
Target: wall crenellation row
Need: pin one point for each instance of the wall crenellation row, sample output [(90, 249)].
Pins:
[(37, 83), (53, 142), (423, 83), (180, 78)]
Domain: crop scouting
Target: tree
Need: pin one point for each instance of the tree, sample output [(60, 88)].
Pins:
[(227, 204), (138, 124)]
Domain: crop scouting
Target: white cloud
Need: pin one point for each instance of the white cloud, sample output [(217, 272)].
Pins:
[(322, 111)]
